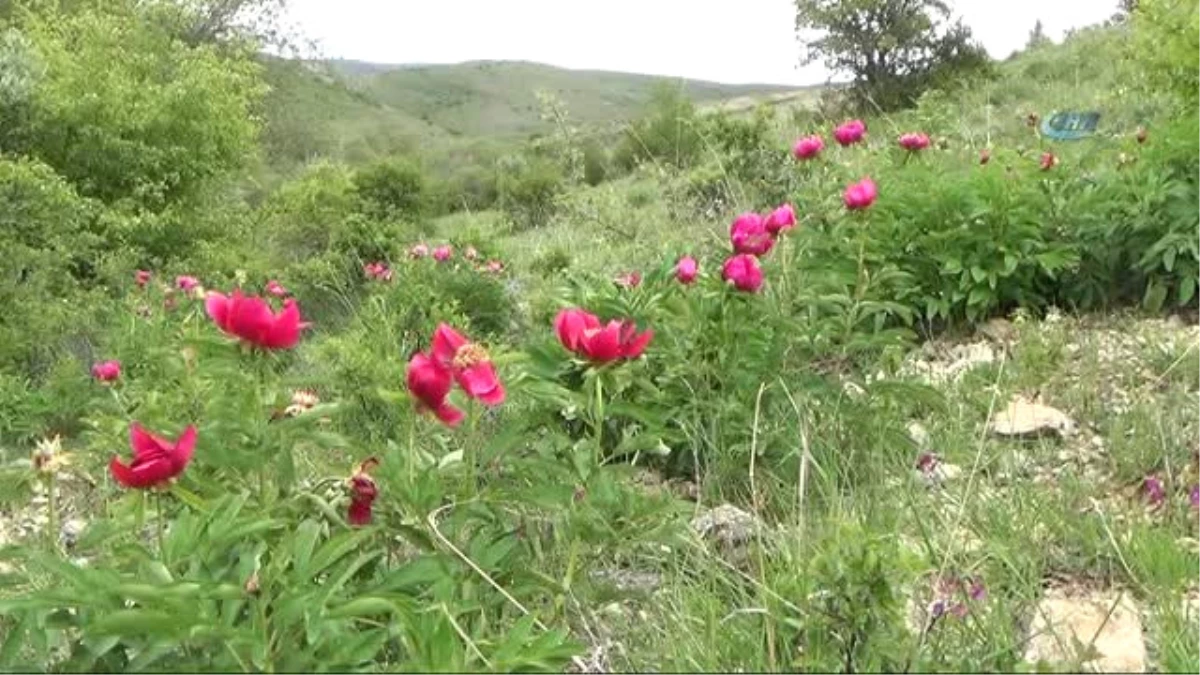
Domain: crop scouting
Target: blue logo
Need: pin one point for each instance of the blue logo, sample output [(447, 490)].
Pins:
[(1070, 126)]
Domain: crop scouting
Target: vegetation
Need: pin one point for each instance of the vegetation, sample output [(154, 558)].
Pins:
[(564, 400)]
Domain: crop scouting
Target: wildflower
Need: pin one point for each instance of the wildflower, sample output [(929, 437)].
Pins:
[(276, 289), (494, 267), (470, 364), (914, 141), (1154, 491), (743, 272), (985, 156), (471, 253), (782, 218), (749, 234), (430, 384), (142, 277), (1048, 161), (419, 251), (1194, 496), (582, 332), (860, 195), (186, 283), (251, 319), (808, 147), (629, 280), (362, 493), (686, 270), (155, 460), (849, 133), (443, 253), (378, 271), (976, 590), (48, 456), (927, 462), (106, 371), (1141, 135)]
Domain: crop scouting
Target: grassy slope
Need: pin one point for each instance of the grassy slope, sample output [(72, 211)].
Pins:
[(500, 97)]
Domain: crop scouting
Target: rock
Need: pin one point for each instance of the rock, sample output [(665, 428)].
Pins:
[(1025, 418), (726, 524), (938, 364), (71, 530), (918, 434), (629, 581), (1064, 624)]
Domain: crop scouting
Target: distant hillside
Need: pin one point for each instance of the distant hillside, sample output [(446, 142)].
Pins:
[(499, 97), (356, 110)]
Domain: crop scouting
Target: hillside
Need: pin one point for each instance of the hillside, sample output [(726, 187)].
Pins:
[(356, 110)]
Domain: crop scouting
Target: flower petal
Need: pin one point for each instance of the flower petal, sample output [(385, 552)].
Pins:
[(145, 444), (217, 306), (446, 412), (184, 448), (446, 343), (480, 382)]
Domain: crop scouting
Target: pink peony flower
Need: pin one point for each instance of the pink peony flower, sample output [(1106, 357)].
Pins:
[(469, 363), (582, 332), (782, 218), (419, 251), (914, 141), (276, 289), (362, 493), (142, 277), (686, 270), (430, 383), (749, 234), (743, 272), (860, 195), (850, 133), (186, 283), (155, 460), (629, 280), (106, 371), (250, 318), (808, 147), (443, 253)]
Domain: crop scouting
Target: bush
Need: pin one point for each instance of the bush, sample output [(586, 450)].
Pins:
[(127, 112), (668, 133), (529, 191), (391, 189)]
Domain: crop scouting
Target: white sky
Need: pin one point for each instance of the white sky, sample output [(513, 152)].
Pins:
[(733, 41)]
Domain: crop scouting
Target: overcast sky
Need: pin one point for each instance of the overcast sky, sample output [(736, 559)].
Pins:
[(733, 41)]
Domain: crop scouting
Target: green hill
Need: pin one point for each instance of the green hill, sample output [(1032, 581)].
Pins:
[(356, 110)]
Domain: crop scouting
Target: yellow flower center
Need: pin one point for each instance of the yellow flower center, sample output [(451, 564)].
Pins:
[(469, 355)]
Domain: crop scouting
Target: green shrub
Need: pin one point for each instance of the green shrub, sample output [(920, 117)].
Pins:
[(127, 112), (529, 192), (390, 189)]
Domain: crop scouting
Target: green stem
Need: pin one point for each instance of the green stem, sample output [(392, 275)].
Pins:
[(470, 483), (598, 406), (412, 451), (158, 507)]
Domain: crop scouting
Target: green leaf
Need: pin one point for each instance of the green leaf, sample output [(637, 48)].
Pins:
[(1156, 295), (368, 606), (1187, 289), (134, 622)]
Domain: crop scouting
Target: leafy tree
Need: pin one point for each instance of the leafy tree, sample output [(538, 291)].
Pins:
[(125, 111), (390, 189), (667, 133), (1037, 36), (893, 49)]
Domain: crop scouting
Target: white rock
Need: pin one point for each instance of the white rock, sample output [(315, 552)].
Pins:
[(1023, 417), (1062, 619)]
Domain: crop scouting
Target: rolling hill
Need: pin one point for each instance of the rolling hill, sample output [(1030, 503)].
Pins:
[(354, 110)]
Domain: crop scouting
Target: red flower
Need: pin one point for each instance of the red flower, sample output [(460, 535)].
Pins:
[(581, 332), (430, 383), (860, 195), (914, 141), (443, 253), (276, 289), (362, 493), (782, 218), (808, 147), (106, 371), (186, 283), (470, 364), (378, 270), (850, 133), (1048, 161), (985, 156), (686, 270), (629, 280), (142, 278), (251, 319), (749, 234), (155, 460), (743, 272)]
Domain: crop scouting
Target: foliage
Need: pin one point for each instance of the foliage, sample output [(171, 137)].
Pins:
[(529, 189), (125, 112), (390, 189), (1166, 46), (893, 49), (667, 132)]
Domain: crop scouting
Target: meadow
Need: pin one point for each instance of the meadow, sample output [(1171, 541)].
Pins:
[(742, 390)]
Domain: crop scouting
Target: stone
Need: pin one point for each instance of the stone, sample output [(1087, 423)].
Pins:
[(1065, 623), (726, 524), (1030, 418)]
